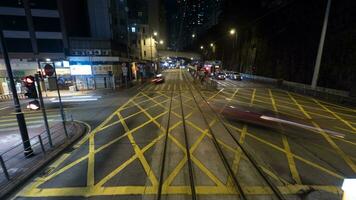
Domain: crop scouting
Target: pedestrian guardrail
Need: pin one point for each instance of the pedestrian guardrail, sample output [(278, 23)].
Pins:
[(14, 163)]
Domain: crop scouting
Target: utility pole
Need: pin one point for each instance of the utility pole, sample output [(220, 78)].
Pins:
[(321, 46), (19, 115)]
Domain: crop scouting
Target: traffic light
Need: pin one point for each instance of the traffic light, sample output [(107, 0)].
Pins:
[(31, 92)]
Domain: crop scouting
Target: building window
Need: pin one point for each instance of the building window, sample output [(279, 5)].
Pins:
[(144, 54), (43, 4), (133, 29), (144, 42), (11, 3), (15, 23), (50, 45), (143, 30), (47, 24), (18, 45)]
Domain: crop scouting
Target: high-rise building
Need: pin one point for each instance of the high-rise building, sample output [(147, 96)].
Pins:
[(33, 28), (146, 28), (195, 17), (33, 31)]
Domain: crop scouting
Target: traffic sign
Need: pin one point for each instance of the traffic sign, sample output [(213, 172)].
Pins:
[(124, 69), (48, 70)]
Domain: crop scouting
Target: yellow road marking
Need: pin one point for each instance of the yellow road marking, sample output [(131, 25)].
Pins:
[(284, 151), (331, 104), (335, 115), (238, 154), (344, 156), (176, 190), (139, 152), (91, 161), (299, 106), (212, 97), (253, 97), (273, 175), (347, 130), (292, 167)]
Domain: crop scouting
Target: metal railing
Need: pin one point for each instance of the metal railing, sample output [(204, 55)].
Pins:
[(14, 163)]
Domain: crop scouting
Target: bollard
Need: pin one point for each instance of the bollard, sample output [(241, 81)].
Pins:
[(41, 143), (3, 166)]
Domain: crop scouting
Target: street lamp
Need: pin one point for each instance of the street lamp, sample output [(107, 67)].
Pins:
[(193, 35), (212, 44), (161, 42), (232, 31), (155, 33), (202, 47)]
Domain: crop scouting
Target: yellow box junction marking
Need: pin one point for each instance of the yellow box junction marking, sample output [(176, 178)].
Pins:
[(291, 163), (326, 136)]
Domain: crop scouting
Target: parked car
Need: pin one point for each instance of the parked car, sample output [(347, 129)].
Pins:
[(235, 76), (220, 76)]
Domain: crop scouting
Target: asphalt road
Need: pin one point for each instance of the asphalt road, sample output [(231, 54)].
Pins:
[(140, 150)]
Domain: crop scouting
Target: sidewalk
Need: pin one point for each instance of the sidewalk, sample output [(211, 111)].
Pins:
[(19, 168)]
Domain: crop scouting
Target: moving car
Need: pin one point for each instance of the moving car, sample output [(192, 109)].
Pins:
[(158, 79)]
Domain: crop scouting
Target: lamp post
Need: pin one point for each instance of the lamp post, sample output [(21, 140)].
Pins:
[(321, 47), (19, 114), (233, 33), (212, 45)]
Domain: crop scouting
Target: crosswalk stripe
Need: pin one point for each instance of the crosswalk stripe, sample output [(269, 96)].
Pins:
[(29, 118)]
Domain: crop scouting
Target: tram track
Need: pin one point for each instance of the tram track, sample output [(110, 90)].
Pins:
[(238, 185)]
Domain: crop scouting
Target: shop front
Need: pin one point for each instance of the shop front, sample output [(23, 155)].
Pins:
[(90, 73), (20, 69)]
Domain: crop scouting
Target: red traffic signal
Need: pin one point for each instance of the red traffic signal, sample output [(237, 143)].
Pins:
[(31, 91), (29, 80)]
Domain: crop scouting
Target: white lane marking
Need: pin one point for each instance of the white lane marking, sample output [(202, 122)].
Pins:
[(3, 108), (76, 99)]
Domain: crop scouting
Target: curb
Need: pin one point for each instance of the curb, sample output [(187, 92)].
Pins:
[(20, 180)]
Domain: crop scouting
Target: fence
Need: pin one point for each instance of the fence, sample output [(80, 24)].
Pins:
[(13, 162)]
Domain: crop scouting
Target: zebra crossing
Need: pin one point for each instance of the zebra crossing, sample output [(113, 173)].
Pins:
[(8, 122)]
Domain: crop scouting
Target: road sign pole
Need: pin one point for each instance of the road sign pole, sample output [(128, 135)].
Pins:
[(19, 115), (60, 102), (39, 91)]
